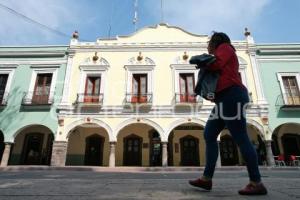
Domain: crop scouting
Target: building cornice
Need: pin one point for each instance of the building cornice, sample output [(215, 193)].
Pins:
[(168, 46), (33, 54)]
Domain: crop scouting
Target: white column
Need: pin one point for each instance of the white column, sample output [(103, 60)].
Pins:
[(164, 154), (6, 154), (218, 164), (59, 153), (270, 157), (257, 79), (112, 154), (67, 79)]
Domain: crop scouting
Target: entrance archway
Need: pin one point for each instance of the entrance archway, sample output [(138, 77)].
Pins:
[(186, 145), (88, 144), (138, 144), (32, 146), (286, 140)]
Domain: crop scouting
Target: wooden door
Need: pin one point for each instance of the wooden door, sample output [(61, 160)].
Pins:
[(189, 151), (139, 88), (94, 150), (32, 149), (292, 91), (133, 151), (186, 82), (42, 89), (92, 89), (228, 151)]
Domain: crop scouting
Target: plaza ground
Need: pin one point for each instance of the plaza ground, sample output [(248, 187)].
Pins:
[(24, 183)]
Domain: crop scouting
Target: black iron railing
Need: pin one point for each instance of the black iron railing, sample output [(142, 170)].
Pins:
[(138, 98), (187, 98), (83, 98), (288, 100), (38, 98)]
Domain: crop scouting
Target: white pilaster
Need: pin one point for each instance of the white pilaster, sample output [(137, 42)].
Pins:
[(270, 157), (112, 154), (67, 79), (164, 154)]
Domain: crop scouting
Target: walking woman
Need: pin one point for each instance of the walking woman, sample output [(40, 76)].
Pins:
[(230, 99)]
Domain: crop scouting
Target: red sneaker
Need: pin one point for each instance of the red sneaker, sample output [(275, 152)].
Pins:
[(250, 189), (207, 185)]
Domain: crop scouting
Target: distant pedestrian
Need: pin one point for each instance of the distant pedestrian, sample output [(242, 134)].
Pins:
[(231, 99)]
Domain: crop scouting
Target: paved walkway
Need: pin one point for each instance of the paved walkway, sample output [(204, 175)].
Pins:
[(87, 184)]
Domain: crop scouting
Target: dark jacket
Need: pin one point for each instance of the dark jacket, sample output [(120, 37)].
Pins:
[(207, 80)]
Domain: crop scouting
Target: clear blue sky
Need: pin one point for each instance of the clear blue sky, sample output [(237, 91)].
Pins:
[(270, 21)]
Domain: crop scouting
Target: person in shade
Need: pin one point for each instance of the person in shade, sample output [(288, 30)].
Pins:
[(229, 111)]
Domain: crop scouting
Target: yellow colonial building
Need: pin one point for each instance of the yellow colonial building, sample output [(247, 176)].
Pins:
[(127, 101)]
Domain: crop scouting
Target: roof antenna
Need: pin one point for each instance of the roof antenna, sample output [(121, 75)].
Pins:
[(162, 11), (110, 19), (135, 19)]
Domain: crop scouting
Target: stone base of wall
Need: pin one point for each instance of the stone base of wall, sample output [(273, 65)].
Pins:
[(59, 153)]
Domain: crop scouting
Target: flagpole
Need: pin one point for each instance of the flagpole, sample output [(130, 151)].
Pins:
[(135, 19)]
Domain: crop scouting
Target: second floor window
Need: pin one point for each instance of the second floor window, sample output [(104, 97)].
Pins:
[(92, 89), (187, 84), (139, 88), (42, 86), (292, 94), (3, 82)]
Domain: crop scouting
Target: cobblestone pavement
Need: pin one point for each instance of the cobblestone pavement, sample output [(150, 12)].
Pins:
[(90, 185)]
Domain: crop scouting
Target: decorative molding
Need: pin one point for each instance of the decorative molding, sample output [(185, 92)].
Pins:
[(8, 66), (144, 62), (39, 66), (100, 62)]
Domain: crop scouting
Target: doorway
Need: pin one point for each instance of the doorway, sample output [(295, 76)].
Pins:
[(94, 150), (133, 151)]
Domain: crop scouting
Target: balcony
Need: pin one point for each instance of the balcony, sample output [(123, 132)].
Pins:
[(89, 100), (187, 99), (288, 102), (38, 99), (3, 99), (142, 102)]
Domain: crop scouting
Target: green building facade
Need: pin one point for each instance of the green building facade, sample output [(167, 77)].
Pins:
[(31, 85), (280, 73)]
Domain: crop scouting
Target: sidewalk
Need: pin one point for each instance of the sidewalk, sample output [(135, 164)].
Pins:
[(135, 169)]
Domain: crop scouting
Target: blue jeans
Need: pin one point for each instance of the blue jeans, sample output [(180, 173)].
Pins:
[(229, 112)]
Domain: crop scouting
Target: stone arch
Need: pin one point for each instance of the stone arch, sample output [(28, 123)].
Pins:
[(258, 126), (151, 123), (98, 122), (32, 145), (28, 126), (280, 133), (183, 121)]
